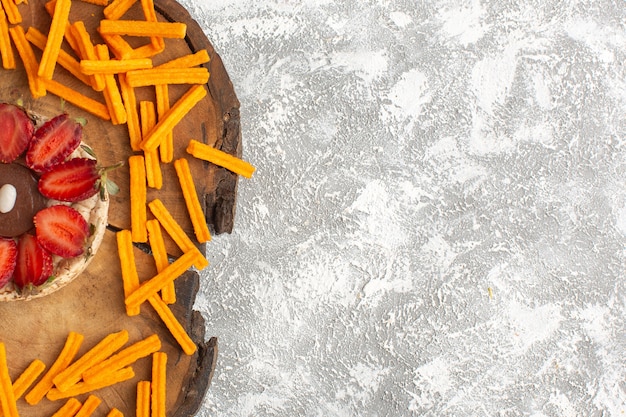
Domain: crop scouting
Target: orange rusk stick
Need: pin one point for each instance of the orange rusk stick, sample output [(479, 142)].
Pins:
[(105, 348), (138, 196), (13, 14), (173, 325), (80, 388), (28, 377), (130, 278), (89, 406), (155, 284), (118, 8), (55, 37), (176, 232), (158, 386), (115, 413), (150, 14), (122, 359), (198, 220), (166, 148), (67, 61), (8, 58), (173, 116), (156, 76), (87, 51), (79, 100), (132, 116), (112, 94), (175, 30), (154, 177), (143, 399), (31, 66), (221, 158), (67, 34), (7, 396), (118, 46), (72, 344), (187, 61), (90, 66), (69, 409), (157, 245)]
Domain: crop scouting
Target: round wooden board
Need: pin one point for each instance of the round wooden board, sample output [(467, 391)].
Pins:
[(93, 304)]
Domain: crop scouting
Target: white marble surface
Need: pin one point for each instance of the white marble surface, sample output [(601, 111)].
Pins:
[(437, 225)]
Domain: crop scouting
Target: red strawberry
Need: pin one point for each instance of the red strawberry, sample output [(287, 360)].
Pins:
[(34, 264), (16, 131), (73, 180), (8, 258), (61, 230), (53, 142)]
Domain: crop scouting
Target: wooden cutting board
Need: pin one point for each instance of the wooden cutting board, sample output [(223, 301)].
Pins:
[(93, 304)]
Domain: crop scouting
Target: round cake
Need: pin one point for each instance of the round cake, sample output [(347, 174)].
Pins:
[(53, 203)]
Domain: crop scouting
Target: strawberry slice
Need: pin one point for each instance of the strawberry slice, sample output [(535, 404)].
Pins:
[(73, 180), (53, 142), (61, 230), (8, 259), (34, 264), (16, 131)]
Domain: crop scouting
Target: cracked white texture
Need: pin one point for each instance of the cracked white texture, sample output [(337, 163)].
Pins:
[(438, 217)]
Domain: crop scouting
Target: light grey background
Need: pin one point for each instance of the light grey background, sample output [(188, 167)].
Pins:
[(438, 219)]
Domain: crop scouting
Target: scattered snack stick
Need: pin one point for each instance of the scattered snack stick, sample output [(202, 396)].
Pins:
[(49, 6), (221, 158), (31, 66), (150, 14), (173, 325), (117, 8), (187, 61), (138, 196), (69, 409), (102, 350), (130, 278), (8, 58), (28, 377), (115, 413), (176, 232), (60, 19), (157, 245), (192, 201), (156, 76), (166, 147), (174, 30), (82, 387), (143, 399), (132, 116), (91, 66), (154, 177), (155, 284), (72, 344), (7, 396), (173, 116), (127, 356), (79, 100), (67, 61), (87, 51), (12, 12), (158, 385), (89, 406), (112, 94), (118, 46)]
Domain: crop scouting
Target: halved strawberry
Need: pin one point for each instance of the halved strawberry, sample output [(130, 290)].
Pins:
[(53, 142), (34, 263), (16, 131), (8, 259), (61, 230), (73, 180)]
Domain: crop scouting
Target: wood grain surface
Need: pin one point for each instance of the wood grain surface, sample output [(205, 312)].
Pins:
[(93, 304)]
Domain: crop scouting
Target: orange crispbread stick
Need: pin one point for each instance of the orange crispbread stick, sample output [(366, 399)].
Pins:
[(117, 8), (114, 66), (60, 19), (112, 94), (69, 409), (175, 30), (150, 14), (156, 76), (72, 344), (138, 196), (157, 245), (87, 51), (79, 100), (8, 404), (89, 406), (166, 147), (221, 158), (154, 177), (173, 325), (187, 61), (190, 195), (158, 385), (130, 278), (143, 399), (31, 66), (115, 413), (132, 116), (82, 387), (8, 58), (28, 377), (12, 12)]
